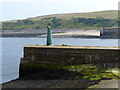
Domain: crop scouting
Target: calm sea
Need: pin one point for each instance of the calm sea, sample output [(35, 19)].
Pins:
[(12, 51)]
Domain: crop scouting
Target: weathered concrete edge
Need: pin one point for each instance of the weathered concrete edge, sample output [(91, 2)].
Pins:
[(74, 47), (70, 55)]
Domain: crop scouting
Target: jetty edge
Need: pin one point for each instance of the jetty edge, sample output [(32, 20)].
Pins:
[(70, 55)]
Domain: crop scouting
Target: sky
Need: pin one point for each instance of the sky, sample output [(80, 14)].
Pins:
[(21, 9)]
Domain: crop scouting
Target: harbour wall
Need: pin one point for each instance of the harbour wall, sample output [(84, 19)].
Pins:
[(65, 55)]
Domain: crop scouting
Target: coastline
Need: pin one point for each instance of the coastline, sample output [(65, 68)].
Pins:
[(54, 77), (62, 33), (45, 77)]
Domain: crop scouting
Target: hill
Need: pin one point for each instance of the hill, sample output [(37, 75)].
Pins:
[(110, 14), (71, 20)]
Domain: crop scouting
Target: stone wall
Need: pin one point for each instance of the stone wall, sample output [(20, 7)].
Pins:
[(69, 55)]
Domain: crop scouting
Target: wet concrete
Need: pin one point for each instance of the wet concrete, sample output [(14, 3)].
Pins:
[(107, 84)]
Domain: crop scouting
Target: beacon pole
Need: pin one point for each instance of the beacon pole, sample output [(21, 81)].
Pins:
[(49, 35)]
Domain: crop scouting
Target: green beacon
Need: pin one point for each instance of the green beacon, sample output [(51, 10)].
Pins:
[(49, 35)]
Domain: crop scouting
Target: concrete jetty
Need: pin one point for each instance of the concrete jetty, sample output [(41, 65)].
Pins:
[(70, 55)]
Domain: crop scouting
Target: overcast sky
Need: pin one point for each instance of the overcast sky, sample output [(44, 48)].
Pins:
[(21, 9)]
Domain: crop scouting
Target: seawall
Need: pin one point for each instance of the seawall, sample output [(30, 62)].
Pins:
[(67, 55)]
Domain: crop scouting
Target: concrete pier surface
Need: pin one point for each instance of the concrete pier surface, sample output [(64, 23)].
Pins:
[(108, 84), (70, 55), (68, 46)]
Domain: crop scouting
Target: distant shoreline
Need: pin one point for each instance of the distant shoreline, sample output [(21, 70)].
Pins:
[(61, 33)]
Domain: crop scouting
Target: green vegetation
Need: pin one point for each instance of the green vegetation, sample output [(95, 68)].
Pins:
[(87, 71), (92, 72), (73, 20)]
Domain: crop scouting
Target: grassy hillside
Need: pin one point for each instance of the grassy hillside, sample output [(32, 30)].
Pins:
[(111, 14), (70, 20)]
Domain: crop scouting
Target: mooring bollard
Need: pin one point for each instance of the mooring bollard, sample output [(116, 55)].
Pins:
[(49, 35)]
